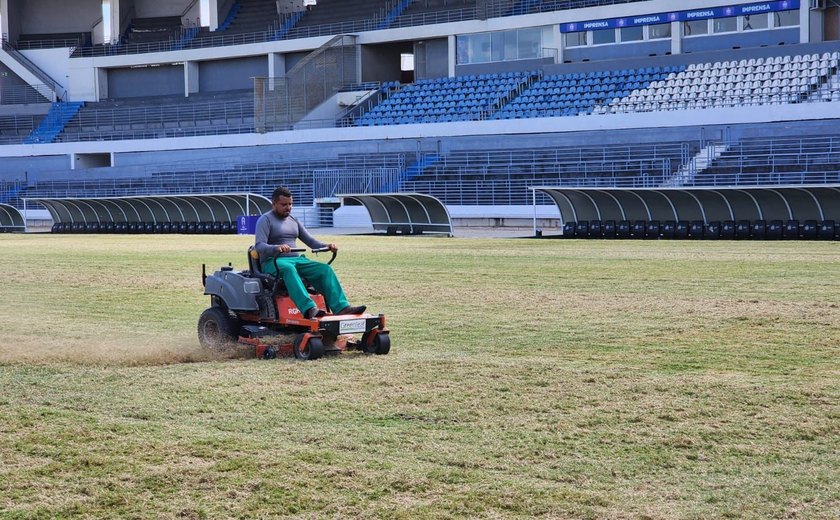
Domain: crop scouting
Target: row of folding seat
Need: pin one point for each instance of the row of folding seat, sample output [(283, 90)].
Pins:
[(218, 227), (698, 229)]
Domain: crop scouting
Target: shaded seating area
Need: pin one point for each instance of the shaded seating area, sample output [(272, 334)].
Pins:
[(214, 213), (404, 213), (11, 220), (712, 213), (461, 98)]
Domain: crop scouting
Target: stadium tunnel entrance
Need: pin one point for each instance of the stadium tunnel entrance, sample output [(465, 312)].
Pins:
[(807, 212), (404, 213), (11, 220), (203, 213)]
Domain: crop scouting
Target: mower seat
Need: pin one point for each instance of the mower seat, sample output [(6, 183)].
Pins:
[(274, 283)]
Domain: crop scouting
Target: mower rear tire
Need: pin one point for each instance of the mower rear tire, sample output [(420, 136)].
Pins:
[(313, 349), (217, 329), (381, 344)]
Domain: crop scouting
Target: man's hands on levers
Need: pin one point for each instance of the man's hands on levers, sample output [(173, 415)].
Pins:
[(285, 248)]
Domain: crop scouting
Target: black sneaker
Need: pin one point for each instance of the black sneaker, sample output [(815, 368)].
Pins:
[(314, 312), (353, 310)]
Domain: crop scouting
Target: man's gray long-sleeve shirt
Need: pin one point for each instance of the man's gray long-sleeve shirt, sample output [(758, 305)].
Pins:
[(273, 231)]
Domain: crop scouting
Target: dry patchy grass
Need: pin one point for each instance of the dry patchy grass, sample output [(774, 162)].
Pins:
[(555, 379)]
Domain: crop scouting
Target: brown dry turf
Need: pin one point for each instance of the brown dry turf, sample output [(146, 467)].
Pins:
[(554, 379)]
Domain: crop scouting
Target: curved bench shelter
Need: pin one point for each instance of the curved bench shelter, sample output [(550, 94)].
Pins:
[(11, 220), (154, 209), (707, 204), (407, 213)]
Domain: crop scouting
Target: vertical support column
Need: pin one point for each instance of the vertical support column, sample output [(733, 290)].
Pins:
[(805, 22), (4, 19), (676, 37), (559, 42), (276, 67), (115, 17), (101, 78), (210, 14), (451, 56), (191, 76)]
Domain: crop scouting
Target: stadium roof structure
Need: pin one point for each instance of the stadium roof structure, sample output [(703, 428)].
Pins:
[(408, 213), (215, 207), (696, 203), (11, 219)]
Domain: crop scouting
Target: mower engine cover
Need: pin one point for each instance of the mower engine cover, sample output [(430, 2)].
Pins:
[(238, 291)]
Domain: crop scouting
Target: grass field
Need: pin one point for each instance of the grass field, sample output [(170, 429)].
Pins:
[(555, 379)]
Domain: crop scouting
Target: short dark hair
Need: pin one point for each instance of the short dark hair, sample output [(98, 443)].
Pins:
[(282, 191)]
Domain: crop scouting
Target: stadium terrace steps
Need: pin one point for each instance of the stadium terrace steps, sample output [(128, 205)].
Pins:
[(250, 16), (419, 8), (52, 125), (503, 175), (154, 117), (148, 30), (330, 12), (814, 159), (392, 14)]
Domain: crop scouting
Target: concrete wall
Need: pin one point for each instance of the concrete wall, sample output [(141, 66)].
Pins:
[(221, 75), (58, 16), (382, 62), (155, 8), (434, 55), (789, 36), (55, 62), (624, 50), (147, 81)]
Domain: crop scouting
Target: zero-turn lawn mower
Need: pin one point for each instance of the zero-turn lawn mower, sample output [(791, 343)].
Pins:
[(253, 308)]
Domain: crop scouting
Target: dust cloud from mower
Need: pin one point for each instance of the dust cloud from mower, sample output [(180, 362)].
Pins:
[(120, 351)]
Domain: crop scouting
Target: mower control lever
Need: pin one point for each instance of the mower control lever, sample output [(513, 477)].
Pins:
[(324, 250), (316, 251)]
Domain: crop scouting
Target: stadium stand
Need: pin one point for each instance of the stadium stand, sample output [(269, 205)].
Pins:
[(425, 12), (162, 116), (147, 30), (582, 93), (14, 129), (465, 98), (53, 40), (781, 79), (726, 106), (339, 16), (800, 160), (250, 16)]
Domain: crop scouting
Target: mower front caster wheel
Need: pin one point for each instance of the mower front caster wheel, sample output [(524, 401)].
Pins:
[(380, 346), (313, 349)]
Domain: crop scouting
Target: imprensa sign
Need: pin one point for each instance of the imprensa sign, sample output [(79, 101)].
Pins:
[(681, 16)]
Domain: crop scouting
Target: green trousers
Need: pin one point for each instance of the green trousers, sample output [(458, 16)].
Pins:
[(320, 275)]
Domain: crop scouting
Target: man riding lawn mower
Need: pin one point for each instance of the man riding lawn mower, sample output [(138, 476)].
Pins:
[(285, 296)]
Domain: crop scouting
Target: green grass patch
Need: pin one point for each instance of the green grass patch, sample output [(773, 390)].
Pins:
[(555, 379)]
